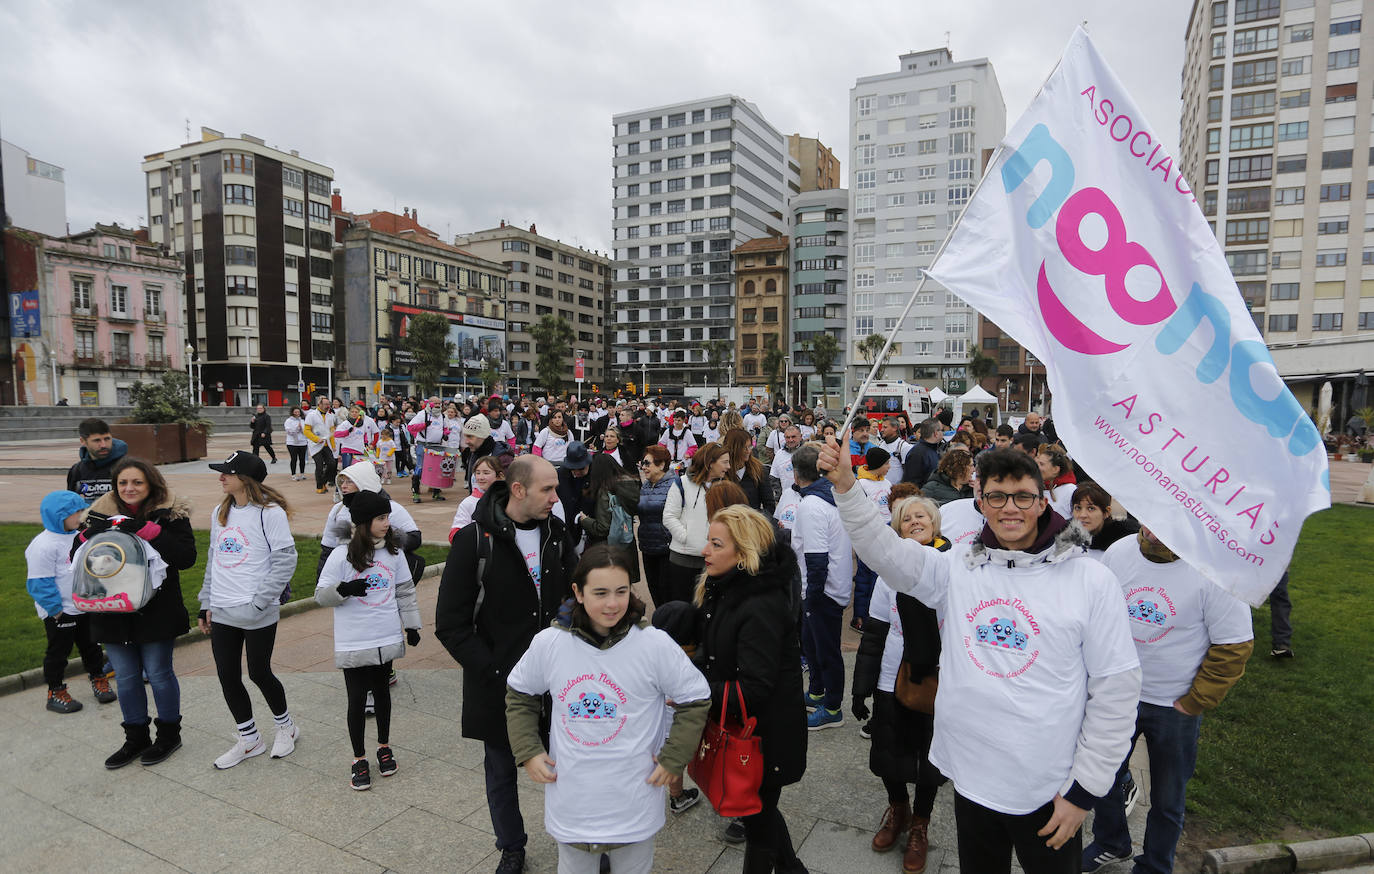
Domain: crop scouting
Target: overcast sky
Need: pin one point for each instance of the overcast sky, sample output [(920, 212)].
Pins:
[(477, 112)]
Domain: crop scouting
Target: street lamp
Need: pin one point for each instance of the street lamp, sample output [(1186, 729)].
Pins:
[(190, 380), (787, 378)]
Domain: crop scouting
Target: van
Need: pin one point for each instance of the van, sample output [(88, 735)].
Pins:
[(892, 398)]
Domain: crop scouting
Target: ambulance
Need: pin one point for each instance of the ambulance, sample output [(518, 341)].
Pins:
[(892, 398)]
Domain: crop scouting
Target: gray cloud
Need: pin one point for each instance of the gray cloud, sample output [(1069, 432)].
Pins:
[(473, 113)]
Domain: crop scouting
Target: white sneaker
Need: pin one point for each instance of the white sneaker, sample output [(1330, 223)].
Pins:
[(238, 752), (285, 742)]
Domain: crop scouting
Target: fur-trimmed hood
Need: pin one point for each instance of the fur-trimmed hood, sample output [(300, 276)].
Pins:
[(1058, 540), (176, 506)]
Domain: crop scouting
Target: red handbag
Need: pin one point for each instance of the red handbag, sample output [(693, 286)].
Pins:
[(728, 765)]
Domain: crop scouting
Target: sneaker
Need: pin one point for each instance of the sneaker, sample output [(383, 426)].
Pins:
[(319, 491), (285, 741), (811, 702), (1281, 652), (866, 730), (60, 701), (415, 499), (386, 762), (823, 717), (103, 693), (512, 862), (108, 669), (391, 680), (240, 751), (438, 496), (1130, 792), (369, 707), (685, 801), (1096, 857), (734, 832), (361, 779)]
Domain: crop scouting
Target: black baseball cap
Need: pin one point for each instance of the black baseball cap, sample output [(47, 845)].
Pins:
[(243, 464)]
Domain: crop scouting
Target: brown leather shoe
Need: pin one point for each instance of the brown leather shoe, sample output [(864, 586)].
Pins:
[(917, 845), (895, 821)]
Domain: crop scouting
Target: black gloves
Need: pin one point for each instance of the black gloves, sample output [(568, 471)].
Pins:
[(129, 525), (413, 636), (860, 710), (353, 587)]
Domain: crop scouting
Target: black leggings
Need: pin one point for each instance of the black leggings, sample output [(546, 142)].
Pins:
[(297, 454), (359, 681), (63, 631), (228, 645), (925, 796), (768, 829), (266, 444), (325, 468)]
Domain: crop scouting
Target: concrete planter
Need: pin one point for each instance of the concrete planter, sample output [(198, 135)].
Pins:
[(167, 443)]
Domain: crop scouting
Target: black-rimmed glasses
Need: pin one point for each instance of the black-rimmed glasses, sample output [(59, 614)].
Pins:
[(998, 500)]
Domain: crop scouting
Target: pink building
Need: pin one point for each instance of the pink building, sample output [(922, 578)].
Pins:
[(111, 314)]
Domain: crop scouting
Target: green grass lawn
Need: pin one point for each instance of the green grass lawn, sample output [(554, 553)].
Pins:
[(21, 632), (1288, 753)]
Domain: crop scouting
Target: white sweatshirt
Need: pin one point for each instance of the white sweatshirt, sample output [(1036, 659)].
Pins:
[(378, 618)]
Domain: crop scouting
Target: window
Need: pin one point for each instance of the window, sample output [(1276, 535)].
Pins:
[(1330, 257), (245, 255), (1251, 105), (1292, 164), (1283, 324), (865, 155), (960, 143), (1216, 78), (241, 194), (958, 195), (1283, 291), (1255, 10), (1293, 130), (925, 197), (1341, 93), (1343, 59), (896, 151), (961, 168), (927, 147), (1213, 109), (1320, 321), (925, 222), (81, 293), (1288, 195), (1218, 45), (1333, 226), (1339, 126), (925, 171), (1247, 231), (1247, 263), (896, 200), (961, 116), (866, 178), (1247, 200), (119, 300), (1256, 39), (1252, 136), (1334, 192), (1347, 26), (1252, 168), (1219, 13), (1295, 99), (863, 326), (863, 279), (292, 178), (1213, 141), (321, 322), (293, 207), (243, 285), (319, 212), (238, 162)]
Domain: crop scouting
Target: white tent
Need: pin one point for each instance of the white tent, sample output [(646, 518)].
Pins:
[(977, 395), (936, 395)]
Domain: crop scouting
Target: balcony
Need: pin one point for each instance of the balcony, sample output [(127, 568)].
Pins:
[(90, 311), (89, 359), (120, 316), (155, 318), (157, 362)]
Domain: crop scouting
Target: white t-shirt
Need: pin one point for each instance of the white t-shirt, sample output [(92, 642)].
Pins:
[(527, 540), (453, 433), (350, 436), (294, 428), (503, 433), (609, 721), (373, 619), (1175, 613), (819, 529), (677, 443), (807, 432), (877, 491), (711, 434), (239, 550), (462, 517), (433, 427), (897, 449), (754, 421), (782, 468), (786, 510), (314, 420), (697, 424), (883, 607), (49, 555), (552, 446), (960, 522)]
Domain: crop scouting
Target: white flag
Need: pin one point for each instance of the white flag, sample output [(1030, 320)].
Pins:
[(1086, 245)]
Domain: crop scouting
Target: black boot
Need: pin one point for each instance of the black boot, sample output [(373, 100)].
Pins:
[(757, 860), (136, 740), (168, 741)]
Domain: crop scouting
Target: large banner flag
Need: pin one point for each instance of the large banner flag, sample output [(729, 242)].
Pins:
[(1085, 244)]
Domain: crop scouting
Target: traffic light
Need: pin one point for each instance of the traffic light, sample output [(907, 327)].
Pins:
[(310, 389), (630, 387)]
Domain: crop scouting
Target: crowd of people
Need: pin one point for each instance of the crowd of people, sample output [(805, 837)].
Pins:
[(983, 569)]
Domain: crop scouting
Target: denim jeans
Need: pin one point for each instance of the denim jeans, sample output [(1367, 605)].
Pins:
[(131, 661), (822, 621), (503, 797), (864, 579), (1171, 740), (1280, 615)]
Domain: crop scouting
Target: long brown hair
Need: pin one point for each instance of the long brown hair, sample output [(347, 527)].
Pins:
[(707, 456), (362, 546), (259, 494), (739, 444), (157, 487)]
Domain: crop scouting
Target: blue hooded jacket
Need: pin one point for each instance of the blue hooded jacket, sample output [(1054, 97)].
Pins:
[(818, 563), (54, 509)]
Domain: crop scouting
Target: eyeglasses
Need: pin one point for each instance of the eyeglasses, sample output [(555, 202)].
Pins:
[(998, 500), (646, 464)]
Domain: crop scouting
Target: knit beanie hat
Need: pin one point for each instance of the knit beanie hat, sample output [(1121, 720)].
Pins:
[(368, 506), (876, 457), (478, 426)]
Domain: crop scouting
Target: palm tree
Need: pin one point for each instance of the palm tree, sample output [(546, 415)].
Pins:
[(870, 348)]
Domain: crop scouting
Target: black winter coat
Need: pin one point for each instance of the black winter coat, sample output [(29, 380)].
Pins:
[(759, 493), (487, 639), (164, 617), (262, 429), (749, 634)]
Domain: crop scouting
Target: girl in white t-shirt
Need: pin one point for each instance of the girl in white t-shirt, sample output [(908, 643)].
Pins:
[(369, 586), (552, 442), (485, 471), (251, 561), (611, 677)]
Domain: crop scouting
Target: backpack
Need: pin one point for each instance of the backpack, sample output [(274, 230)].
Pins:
[(622, 531), (112, 574)]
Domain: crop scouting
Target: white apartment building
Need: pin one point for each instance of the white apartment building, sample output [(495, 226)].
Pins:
[(920, 137), (35, 192), (254, 226), (1276, 141), (690, 182)]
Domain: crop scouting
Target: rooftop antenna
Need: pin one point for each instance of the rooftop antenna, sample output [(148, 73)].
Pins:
[(946, 40), (188, 130)]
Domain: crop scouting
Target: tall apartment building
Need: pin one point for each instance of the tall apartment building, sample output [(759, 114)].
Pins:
[(820, 290), (1276, 142), (548, 277), (919, 136), (820, 169), (252, 224), (691, 181), (35, 192), (391, 268)]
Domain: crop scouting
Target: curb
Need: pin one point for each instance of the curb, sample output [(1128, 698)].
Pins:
[(33, 677), (1326, 854)]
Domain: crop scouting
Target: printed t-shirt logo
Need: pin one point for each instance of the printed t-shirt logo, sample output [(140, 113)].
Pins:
[(1001, 637), (1151, 612), (231, 550), (379, 588), (591, 709)]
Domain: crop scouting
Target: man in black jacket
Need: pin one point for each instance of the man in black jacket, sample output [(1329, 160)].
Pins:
[(486, 620), (924, 457), (90, 477)]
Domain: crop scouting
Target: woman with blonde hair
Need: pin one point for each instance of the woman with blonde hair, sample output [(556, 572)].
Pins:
[(247, 577), (749, 650), (731, 418), (901, 635)]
